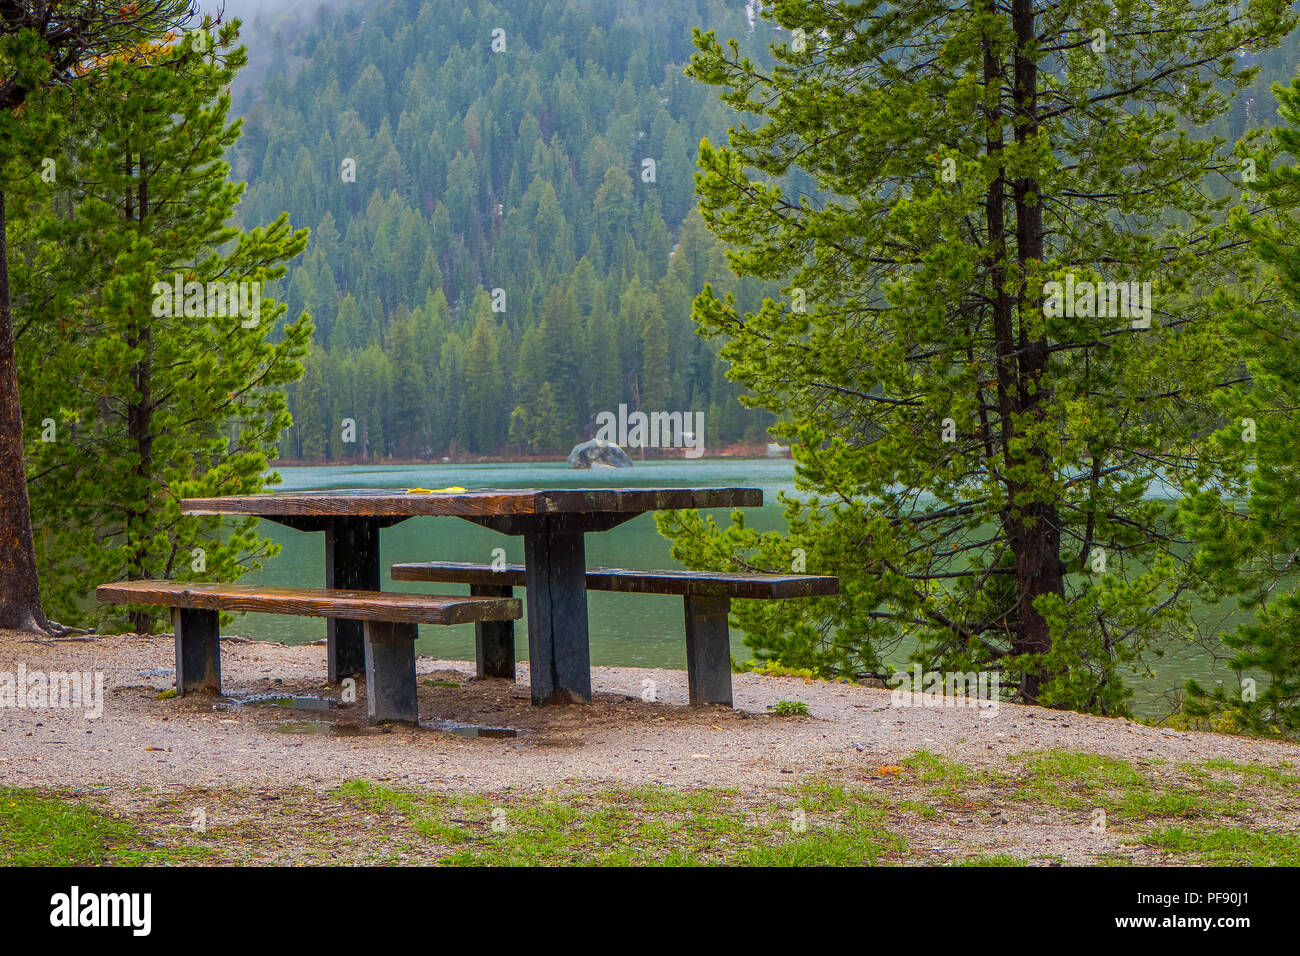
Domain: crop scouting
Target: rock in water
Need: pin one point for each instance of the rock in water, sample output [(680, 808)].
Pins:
[(598, 453)]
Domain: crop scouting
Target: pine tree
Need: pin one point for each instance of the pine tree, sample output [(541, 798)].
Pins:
[(1249, 520), (39, 52), (162, 395), (484, 382), (976, 456), (311, 413)]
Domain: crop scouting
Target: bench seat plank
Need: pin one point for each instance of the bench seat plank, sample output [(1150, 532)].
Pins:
[(680, 582), (391, 627), (706, 597), (314, 602)]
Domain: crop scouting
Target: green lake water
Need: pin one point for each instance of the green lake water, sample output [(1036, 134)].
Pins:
[(626, 629)]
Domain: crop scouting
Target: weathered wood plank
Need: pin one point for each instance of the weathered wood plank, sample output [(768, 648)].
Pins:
[(310, 602), (559, 655), (378, 504), (391, 691), (494, 641), (351, 563), (685, 583), (457, 572), (569, 521), (708, 650), (198, 653), (317, 523)]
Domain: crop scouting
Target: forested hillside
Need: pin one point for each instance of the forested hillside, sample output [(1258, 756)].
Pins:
[(523, 169)]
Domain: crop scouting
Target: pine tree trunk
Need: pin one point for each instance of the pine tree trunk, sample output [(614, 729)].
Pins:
[(139, 418), (20, 592), (1032, 531), (1039, 569)]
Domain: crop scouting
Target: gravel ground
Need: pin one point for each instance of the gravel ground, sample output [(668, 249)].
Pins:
[(268, 775), (230, 743)]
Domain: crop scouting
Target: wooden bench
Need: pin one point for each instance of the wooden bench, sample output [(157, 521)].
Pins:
[(706, 595), (391, 627)]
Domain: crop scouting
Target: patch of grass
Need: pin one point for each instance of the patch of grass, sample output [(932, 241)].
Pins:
[(1089, 770), (1228, 846), (816, 849), (439, 683), (992, 859), (1283, 776), (1224, 722), (647, 825), (772, 669), (1085, 782), (38, 829), (929, 767), (1077, 781), (649, 798), (789, 708), (948, 780)]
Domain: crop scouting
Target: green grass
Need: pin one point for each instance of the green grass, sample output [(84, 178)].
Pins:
[(1191, 813), (1228, 846), (992, 859), (946, 780), (1084, 782), (772, 669), (41, 830), (1283, 777), (38, 831), (789, 708), (648, 825), (930, 768)]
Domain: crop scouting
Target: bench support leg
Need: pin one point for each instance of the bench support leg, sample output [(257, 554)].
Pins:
[(559, 657), (390, 671), (494, 641), (708, 650), (198, 653), (351, 563)]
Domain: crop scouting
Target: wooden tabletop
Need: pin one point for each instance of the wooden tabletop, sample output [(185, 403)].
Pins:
[(513, 501)]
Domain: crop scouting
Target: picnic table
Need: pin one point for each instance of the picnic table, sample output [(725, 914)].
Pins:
[(553, 524)]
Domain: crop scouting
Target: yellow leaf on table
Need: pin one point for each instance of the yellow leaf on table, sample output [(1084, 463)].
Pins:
[(434, 491)]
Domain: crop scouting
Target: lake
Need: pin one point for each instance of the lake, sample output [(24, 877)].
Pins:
[(626, 629)]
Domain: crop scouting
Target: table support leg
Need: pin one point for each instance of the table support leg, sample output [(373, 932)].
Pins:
[(390, 671), (708, 650), (559, 657), (351, 562), (494, 641), (198, 653)]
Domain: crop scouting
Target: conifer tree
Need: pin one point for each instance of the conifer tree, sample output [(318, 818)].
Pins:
[(150, 345), (40, 51), (1249, 519), (976, 453)]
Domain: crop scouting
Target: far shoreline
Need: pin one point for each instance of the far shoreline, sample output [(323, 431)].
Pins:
[(730, 453)]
